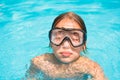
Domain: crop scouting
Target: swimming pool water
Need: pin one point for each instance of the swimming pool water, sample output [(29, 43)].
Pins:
[(24, 27)]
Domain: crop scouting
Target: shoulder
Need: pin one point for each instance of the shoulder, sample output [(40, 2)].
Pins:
[(93, 68), (87, 65), (40, 60), (88, 61), (36, 66), (44, 63)]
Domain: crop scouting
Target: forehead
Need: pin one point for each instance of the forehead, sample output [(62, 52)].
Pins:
[(68, 23)]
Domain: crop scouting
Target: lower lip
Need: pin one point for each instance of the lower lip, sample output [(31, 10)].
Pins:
[(65, 54)]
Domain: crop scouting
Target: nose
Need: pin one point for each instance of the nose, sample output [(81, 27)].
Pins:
[(66, 44)]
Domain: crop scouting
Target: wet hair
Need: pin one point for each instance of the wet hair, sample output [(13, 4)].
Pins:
[(72, 16)]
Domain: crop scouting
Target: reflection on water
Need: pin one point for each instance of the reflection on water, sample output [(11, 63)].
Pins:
[(22, 36)]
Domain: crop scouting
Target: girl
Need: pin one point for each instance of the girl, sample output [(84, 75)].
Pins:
[(68, 37)]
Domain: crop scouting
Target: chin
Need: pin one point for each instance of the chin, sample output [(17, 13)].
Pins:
[(64, 61)]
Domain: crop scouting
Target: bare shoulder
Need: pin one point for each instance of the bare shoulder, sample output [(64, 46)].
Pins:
[(90, 64), (45, 63), (36, 67), (92, 68), (38, 61), (85, 61), (88, 61)]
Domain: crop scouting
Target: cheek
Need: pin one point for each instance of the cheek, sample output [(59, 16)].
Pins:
[(78, 49), (55, 48)]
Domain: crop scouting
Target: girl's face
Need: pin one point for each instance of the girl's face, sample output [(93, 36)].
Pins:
[(65, 52)]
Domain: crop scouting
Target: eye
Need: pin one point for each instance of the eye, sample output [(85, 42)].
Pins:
[(58, 38), (75, 34), (76, 39), (60, 32)]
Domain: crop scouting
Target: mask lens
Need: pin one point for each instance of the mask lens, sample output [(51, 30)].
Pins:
[(57, 35), (75, 36)]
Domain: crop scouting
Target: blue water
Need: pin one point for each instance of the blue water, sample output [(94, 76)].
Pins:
[(24, 26)]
